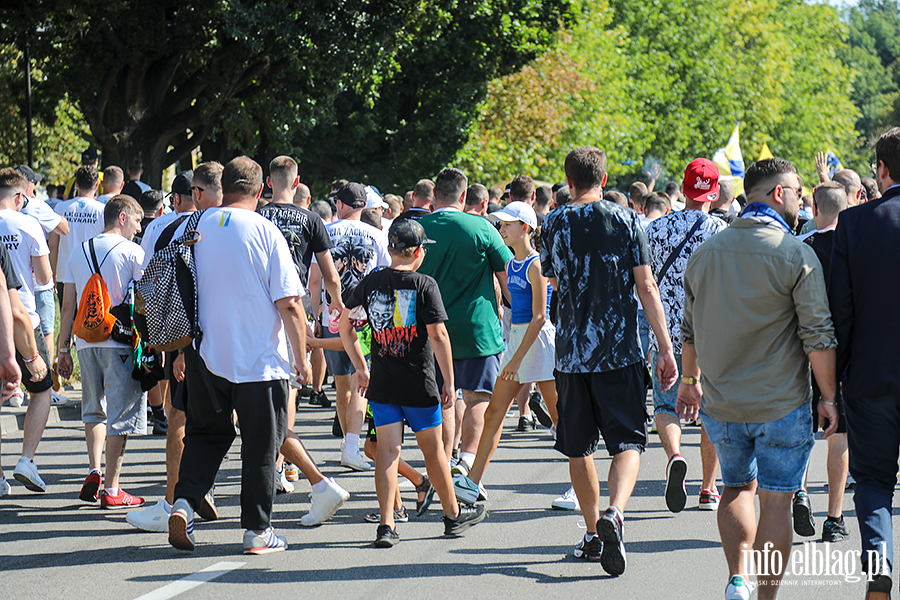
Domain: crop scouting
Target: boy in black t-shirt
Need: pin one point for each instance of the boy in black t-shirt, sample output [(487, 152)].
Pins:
[(405, 311)]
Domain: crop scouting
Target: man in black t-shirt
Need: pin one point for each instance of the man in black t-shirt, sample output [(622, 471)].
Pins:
[(423, 200)]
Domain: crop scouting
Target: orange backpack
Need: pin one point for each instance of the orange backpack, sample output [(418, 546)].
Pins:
[(94, 322)]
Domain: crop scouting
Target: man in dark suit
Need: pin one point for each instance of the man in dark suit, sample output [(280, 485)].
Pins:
[(865, 282)]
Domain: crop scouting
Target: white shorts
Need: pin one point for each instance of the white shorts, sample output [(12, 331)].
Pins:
[(540, 360)]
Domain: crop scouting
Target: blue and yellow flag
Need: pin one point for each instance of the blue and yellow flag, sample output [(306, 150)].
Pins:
[(731, 162), (765, 152), (833, 163)]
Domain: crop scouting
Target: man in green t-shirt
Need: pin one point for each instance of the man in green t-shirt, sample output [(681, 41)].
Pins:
[(468, 253)]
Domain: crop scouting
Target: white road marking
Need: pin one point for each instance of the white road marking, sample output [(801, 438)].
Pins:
[(191, 581)]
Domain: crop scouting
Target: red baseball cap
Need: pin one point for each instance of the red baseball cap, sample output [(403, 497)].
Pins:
[(701, 180)]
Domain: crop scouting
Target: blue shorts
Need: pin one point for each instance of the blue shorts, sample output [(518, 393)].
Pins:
[(773, 453), (663, 401), (419, 419), (473, 374), (45, 305)]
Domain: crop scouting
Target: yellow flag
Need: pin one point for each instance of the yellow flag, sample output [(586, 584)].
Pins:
[(765, 152)]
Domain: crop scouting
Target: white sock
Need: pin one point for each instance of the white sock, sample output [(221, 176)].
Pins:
[(468, 457), (97, 471), (114, 491), (589, 536), (167, 506), (320, 487), (351, 442)]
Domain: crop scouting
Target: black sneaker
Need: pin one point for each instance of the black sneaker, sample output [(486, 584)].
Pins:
[(804, 524), (386, 537), (834, 530), (588, 550), (539, 409), (612, 556), (468, 516), (304, 392), (160, 427), (526, 423), (319, 398)]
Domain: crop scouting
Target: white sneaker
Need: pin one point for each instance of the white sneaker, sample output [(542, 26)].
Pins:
[(738, 588), (282, 485), (26, 472), (57, 399), (155, 518), (5, 488), (17, 398), (263, 543), (354, 461), (181, 525), (324, 504), (568, 501)]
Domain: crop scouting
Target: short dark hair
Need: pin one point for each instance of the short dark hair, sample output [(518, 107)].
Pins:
[(673, 189), (321, 208), (521, 188), (495, 193), (636, 192), (116, 205), (476, 194), (135, 165), (371, 217), (208, 175), (830, 198), (151, 201), (86, 178), (558, 186), (542, 196), (242, 176), (868, 183), (12, 180), (762, 171), (283, 170), (887, 150), (449, 185), (656, 201), (563, 196), (423, 189), (617, 197), (586, 167)]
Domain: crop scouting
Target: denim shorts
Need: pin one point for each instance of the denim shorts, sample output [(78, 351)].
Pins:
[(663, 401), (773, 453), (473, 374), (45, 304), (419, 418)]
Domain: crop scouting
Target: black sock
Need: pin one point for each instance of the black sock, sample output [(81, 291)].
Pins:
[(158, 413)]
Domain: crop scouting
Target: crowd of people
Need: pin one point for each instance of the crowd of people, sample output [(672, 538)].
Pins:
[(441, 309)]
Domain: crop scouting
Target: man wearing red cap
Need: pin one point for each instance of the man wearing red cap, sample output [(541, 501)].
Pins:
[(756, 318), (673, 239)]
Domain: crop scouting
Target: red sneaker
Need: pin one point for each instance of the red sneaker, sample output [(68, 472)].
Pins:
[(90, 488), (122, 500)]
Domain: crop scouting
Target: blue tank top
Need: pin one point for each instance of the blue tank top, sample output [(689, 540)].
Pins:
[(520, 289)]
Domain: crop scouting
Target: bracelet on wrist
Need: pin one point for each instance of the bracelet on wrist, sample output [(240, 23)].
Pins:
[(690, 380), (63, 350), (826, 403), (34, 358)]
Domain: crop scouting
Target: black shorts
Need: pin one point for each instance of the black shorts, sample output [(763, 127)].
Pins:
[(839, 405), (611, 405), (44, 384)]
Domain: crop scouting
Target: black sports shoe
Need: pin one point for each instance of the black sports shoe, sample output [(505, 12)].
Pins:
[(319, 398), (386, 537), (588, 550), (609, 529), (526, 423), (804, 524), (539, 409), (304, 391), (468, 516), (160, 427), (676, 471), (207, 509), (834, 530)]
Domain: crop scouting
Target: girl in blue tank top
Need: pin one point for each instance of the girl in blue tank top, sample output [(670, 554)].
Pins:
[(531, 353)]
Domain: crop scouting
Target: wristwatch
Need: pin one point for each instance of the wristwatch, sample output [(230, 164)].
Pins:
[(690, 380), (64, 350)]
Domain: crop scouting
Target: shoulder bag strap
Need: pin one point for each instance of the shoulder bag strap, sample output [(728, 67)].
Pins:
[(677, 251)]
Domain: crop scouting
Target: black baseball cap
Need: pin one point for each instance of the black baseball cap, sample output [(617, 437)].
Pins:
[(352, 194), (90, 155), (182, 183), (29, 173), (407, 233)]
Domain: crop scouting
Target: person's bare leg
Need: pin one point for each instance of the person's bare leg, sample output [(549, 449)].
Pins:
[(438, 469), (669, 428), (709, 460), (295, 452), (838, 463), (342, 398), (95, 436), (522, 401), (317, 364), (623, 473), (115, 452), (548, 391), (35, 422), (459, 410), (587, 490), (291, 418), (737, 527), (155, 397), (499, 404), (473, 419), (388, 454), (775, 527), (174, 448), (448, 429)]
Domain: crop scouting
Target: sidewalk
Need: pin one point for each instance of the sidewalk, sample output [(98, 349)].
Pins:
[(12, 418)]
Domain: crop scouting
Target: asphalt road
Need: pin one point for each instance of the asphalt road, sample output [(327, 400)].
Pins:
[(54, 546)]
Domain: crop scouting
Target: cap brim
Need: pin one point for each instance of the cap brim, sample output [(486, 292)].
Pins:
[(501, 215)]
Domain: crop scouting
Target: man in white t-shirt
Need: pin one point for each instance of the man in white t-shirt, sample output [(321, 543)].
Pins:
[(112, 184), (85, 217), (112, 403), (43, 294), (249, 297), (357, 248), (29, 258)]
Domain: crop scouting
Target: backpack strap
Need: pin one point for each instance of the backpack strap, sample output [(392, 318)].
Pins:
[(93, 259), (166, 236), (190, 228), (677, 251)]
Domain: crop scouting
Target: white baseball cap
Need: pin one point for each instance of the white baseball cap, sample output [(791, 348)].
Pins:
[(515, 211), (373, 198)]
